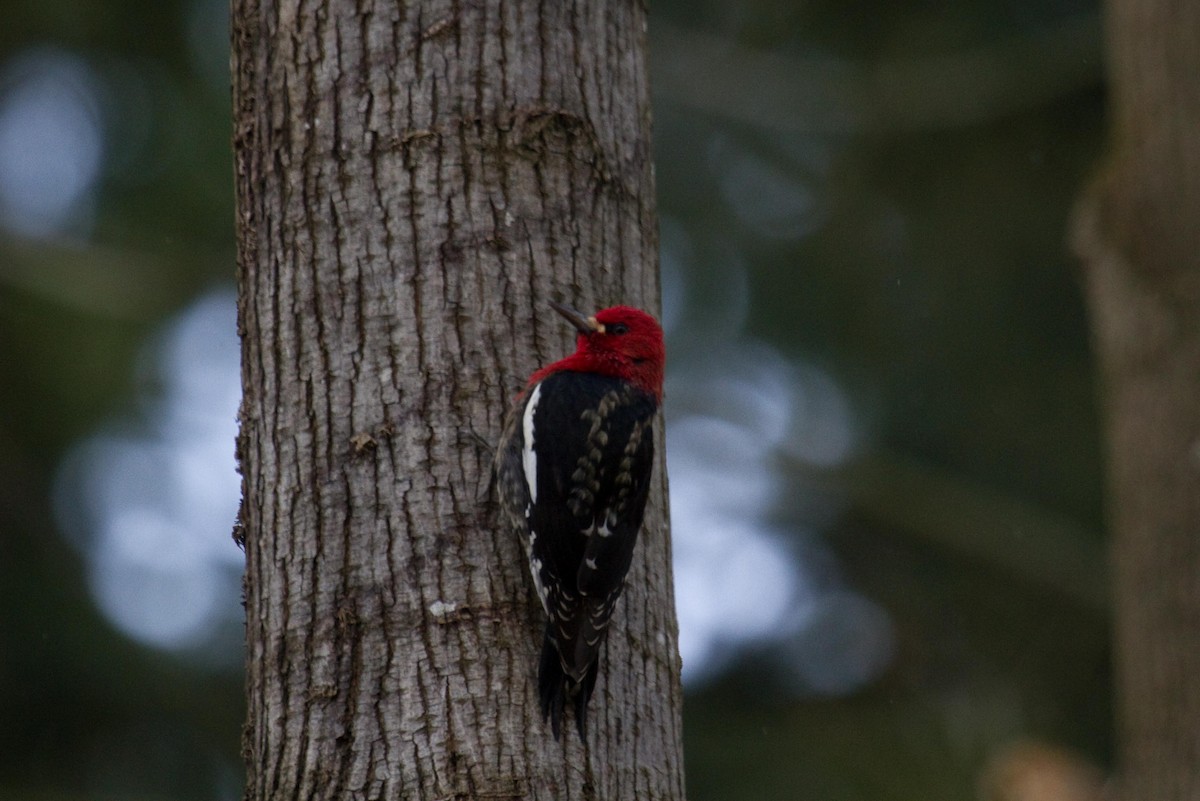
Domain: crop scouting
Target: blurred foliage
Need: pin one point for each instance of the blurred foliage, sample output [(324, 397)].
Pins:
[(889, 222), (936, 285)]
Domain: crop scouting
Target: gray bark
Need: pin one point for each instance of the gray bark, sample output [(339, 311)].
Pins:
[(414, 182), (1137, 231)]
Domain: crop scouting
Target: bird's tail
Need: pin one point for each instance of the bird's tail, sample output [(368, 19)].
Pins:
[(556, 687)]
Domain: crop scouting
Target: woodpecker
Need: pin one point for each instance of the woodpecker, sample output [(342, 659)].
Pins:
[(573, 470)]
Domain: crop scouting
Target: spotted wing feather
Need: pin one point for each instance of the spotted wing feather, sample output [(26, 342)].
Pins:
[(592, 482)]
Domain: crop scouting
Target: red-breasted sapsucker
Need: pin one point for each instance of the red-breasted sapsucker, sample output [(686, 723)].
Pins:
[(573, 471)]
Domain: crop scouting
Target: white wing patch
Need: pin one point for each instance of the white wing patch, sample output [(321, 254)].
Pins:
[(528, 454), (535, 566)]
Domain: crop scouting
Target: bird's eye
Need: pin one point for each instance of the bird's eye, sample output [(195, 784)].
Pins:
[(619, 328)]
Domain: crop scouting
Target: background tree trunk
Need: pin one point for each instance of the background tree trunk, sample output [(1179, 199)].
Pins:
[(415, 181), (1138, 232)]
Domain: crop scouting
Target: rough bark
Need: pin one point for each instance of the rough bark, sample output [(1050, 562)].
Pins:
[(415, 181), (1138, 234)]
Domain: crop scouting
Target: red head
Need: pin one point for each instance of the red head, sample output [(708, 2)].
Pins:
[(621, 341)]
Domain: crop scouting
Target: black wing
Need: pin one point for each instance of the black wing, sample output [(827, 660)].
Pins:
[(594, 461), (577, 497)]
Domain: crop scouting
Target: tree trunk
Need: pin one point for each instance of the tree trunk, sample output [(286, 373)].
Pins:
[(415, 181), (1138, 232)]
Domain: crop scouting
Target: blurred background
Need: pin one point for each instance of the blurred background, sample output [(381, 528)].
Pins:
[(882, 431)]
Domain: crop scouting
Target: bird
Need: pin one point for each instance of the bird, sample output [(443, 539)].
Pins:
[(573, 469)]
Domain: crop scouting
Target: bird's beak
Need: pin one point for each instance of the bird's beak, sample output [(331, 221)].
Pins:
[(586, 325)]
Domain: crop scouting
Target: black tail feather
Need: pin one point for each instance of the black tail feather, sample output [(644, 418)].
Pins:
[(583, 694), (551, 686), (555, 687)]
